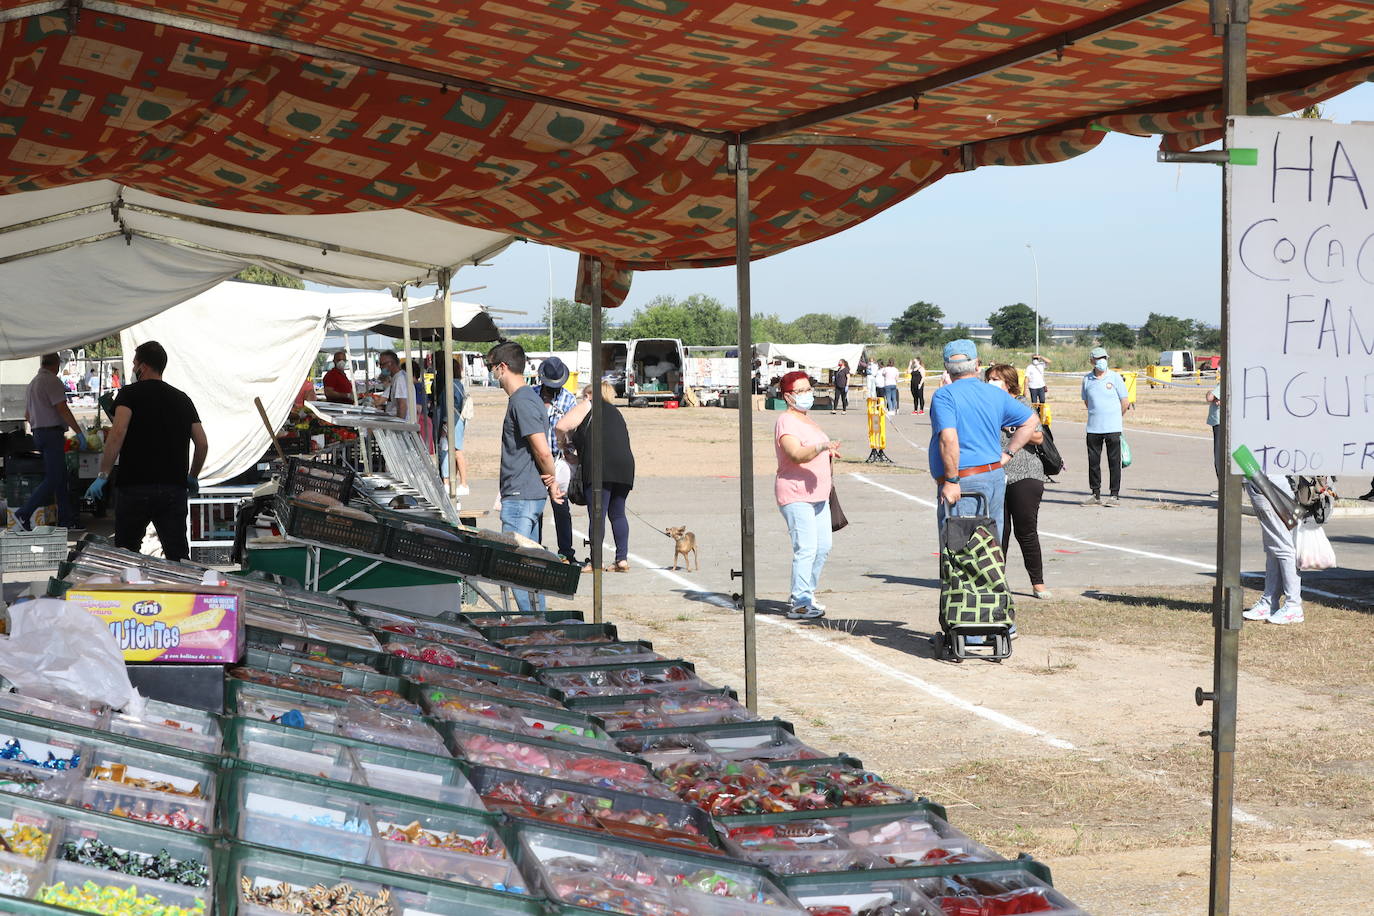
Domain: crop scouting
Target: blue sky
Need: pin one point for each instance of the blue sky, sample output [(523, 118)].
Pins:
[(1117, 235)]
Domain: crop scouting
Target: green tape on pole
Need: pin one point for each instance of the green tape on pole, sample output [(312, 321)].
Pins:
[(1244, 156), (1246, 459)]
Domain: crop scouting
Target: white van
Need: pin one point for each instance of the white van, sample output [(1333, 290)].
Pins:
[(1181, 361), (644, 370)]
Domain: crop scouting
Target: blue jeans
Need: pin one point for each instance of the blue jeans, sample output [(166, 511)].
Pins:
[(54, 486), (524, 516), (809, 526), (993, 486), (894, 398)]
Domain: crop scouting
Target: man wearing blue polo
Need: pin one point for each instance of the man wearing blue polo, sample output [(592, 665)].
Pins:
[(966, 421), (1104, 394)]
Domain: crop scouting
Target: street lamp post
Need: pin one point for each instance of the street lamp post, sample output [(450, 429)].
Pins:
[(1035, 261)]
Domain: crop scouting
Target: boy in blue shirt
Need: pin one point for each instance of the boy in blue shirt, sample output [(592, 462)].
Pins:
[(1104, 394)]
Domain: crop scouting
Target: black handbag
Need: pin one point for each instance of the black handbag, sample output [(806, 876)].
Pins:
[(1048, 452), (837, 516), (576, 492)]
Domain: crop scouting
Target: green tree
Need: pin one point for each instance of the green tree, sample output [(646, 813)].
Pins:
[(103, 348), (816, 327), (1115, 334), (264, 277), (960, 331), (1084, 338), (713, 325), (572, 322), (769, 328), (1165, 332), (920, 325), (1206, 338), (851, 329), (1014, 326)]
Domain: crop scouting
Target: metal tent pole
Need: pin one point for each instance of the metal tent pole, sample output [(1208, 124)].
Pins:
[(450, 441), (738, 162), (400, 293), (1229, 18), (595, 497)]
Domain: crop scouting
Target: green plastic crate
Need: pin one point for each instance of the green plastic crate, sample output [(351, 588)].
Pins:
[(490, 618), (570, 629), (507, 663), (408, 892), (524, 571)]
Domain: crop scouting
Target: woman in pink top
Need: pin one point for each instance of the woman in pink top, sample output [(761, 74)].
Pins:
[(802, 489)]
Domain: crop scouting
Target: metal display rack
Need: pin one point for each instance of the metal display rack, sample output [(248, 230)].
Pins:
[(357, 564), (410, 471)]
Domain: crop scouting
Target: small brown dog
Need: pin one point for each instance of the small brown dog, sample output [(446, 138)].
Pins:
[(686, 543)]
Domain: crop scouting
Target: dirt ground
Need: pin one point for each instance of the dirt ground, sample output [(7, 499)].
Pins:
[(1083, 749)]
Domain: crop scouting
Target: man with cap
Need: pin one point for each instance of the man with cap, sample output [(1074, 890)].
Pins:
[(551, 377), (967, 417), (1104, 394)]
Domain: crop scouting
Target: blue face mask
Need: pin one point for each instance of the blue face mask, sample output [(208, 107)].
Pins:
[(804, 400), (1100, 364)]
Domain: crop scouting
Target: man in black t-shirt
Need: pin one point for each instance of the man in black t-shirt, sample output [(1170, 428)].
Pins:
[(155, 426)]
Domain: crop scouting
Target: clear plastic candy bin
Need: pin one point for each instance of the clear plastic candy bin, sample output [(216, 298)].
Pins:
[(302, 818)]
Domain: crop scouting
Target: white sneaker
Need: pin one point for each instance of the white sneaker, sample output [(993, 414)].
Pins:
[(818, 606), (1260, 611), (804, 612), (1288, 613), (463, 489)]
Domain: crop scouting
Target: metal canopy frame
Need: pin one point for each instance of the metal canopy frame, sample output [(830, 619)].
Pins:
[(1229, 19)]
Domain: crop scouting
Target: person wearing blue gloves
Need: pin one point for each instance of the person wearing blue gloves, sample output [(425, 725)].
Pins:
[(155, 429)]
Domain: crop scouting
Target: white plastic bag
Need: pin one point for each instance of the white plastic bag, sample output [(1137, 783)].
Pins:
[(56, 648), (1314, 549)]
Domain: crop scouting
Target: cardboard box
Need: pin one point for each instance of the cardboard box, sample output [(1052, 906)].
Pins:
[(168, 623)]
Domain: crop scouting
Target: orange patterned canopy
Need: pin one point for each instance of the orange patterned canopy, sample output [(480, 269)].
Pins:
[(602, 125)]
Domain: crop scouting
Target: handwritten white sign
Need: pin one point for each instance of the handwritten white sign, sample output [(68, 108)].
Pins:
[(1302, 296)]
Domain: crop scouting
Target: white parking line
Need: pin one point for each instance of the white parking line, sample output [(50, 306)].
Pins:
[(1050, 534), (1364, 847), (866, 660), (873, 664)]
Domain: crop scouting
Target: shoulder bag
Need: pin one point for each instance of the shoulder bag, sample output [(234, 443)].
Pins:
[(1048, 452), (837, 516)]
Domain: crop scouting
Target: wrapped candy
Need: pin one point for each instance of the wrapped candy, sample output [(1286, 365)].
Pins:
[(13, 750), (95, 853), (91, 897)]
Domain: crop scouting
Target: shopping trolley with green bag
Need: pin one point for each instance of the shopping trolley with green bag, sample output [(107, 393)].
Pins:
[(976, 609)]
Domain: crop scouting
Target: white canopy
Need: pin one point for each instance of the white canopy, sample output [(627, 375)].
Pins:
[(813, 356), (117, 256), (239, 341)]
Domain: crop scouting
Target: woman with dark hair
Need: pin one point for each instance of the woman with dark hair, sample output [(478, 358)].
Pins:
[(1025, 487), (574, 433), (918, 384), (460, 395), (840, 380), (802, 488)]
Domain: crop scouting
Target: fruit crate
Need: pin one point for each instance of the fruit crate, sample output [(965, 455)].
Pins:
[(304, 475), (533, 572), (41, 548), (315, 524), (437, 549)]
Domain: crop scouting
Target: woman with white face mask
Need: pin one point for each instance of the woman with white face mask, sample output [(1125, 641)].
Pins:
[(1025, 488), (802, 488)]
